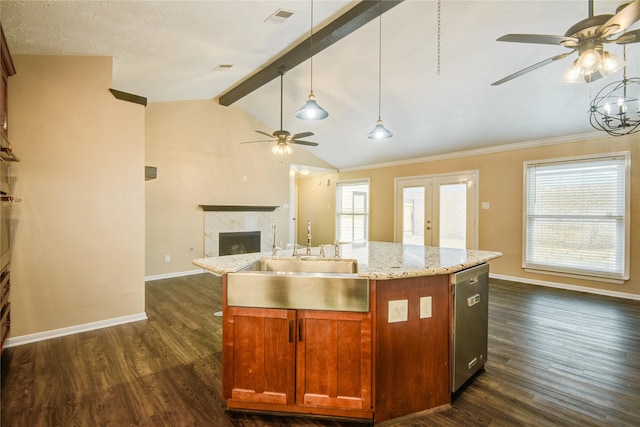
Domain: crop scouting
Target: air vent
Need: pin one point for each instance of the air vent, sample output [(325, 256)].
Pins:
[(222, 67), (279, 16)]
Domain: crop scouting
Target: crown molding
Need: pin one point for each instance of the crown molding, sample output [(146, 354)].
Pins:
[(485, 150)]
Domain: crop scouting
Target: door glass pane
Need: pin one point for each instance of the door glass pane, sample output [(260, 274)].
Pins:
[(413, 216), (453, 216)]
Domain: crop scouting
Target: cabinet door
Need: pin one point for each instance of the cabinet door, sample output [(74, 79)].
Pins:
[(333, 366), (258, 355), (4, 103)]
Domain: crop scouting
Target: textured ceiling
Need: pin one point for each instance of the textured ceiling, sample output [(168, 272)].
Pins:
[(167, 50)]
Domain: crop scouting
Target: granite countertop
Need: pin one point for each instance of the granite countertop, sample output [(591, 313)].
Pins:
[(376, 260)]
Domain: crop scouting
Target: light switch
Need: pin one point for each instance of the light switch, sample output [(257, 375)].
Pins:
[(398, 311), (486, 205), (425, 307)]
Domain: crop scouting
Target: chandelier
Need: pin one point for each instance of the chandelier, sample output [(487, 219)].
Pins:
[(615, 109)]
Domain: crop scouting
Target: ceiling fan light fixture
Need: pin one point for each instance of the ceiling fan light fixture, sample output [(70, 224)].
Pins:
[(311, 110), (573, 74), (590, 61), (379, 131), (611, 63), (281, 149)]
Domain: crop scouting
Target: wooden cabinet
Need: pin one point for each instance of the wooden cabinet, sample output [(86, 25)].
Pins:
[(333, 359), (344, 364), (7, 71), (5, 283), (304, 361), (5, 307), (412, 357), (259, 355)]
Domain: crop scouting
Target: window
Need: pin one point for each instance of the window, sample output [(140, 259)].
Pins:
[(577, 216), (352, 211)]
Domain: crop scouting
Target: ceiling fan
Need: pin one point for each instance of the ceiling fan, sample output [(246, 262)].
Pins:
[(588, 38), (283, 137)]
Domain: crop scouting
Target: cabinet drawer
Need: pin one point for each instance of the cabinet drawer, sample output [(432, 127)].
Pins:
[(5, 287), (5, 322)]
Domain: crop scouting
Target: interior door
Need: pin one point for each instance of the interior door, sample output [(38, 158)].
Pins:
[(437, 210)]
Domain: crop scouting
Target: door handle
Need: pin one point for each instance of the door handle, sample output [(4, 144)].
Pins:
[(290, 330), (299, 329)]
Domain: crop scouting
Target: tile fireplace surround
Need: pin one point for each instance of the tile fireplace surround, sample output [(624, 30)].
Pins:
[(225, 219)]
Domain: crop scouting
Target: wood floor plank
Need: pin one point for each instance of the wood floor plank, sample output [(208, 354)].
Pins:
[(556, 358)]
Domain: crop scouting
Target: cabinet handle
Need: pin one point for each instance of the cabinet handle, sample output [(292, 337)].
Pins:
[(10, 157), (299, 329), (290, 330)]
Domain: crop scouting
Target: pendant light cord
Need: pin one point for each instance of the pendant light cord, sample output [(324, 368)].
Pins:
[(281, 94), (380, 63), (439, 22), (311, 42)]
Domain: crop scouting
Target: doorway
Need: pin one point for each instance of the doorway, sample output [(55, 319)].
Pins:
[(438, 210)]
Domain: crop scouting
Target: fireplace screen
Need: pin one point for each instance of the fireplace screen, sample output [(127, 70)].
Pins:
[(240, 242)]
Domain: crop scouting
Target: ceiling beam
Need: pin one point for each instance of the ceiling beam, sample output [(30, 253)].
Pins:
[(345, 24)]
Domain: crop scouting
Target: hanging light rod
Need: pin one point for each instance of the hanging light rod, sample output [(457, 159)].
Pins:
[(311, 110), (379, 131), (339, 28)]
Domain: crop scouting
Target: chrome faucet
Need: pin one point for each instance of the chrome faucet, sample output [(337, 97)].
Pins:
[(273, 234), (308, 237)]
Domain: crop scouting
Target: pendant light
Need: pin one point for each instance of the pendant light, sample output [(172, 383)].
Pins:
[(379, 131), (311, 110)]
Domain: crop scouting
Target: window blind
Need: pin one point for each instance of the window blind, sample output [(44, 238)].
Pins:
[(352, 211), (576, 216)]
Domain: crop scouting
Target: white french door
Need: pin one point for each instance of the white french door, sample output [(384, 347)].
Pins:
[(438, 210)]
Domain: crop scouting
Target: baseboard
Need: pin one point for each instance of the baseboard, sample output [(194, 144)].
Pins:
[(55, 333), (172, 275), (566, 286)]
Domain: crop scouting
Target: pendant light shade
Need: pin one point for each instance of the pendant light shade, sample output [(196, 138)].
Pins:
[(311, 110), (379, 131)]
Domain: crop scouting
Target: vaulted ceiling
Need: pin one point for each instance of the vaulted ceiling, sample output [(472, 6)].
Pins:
[(436, 69)]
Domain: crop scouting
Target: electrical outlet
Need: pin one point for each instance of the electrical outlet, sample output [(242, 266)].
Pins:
[(398, 311), (425, 307), (167, 258)]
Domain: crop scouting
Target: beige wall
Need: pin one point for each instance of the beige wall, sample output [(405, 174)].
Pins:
[(501, 184), (196, 147), (316, 202), (79, 230)]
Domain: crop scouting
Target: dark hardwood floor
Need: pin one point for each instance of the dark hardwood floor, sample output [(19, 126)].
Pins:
[(556, 358)]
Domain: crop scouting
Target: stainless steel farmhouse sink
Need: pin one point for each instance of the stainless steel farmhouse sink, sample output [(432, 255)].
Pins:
[(300, 283), (306, 265)]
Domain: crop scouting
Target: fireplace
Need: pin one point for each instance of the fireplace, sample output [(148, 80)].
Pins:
[(244, 220), (240, 242)]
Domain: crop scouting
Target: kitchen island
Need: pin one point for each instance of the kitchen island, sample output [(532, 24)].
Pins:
[(389, 361)]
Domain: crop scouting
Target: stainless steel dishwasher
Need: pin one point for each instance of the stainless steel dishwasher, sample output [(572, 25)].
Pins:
[(470, 323)]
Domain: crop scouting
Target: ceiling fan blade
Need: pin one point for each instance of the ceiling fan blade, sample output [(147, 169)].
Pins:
[(621, 20), (301, 135), (264, 133), (262, 140), (626, 38), (531, 68), (539, 39), (295, 141)]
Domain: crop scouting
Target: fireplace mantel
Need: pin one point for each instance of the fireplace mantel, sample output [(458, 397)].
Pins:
[(235, 208)]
